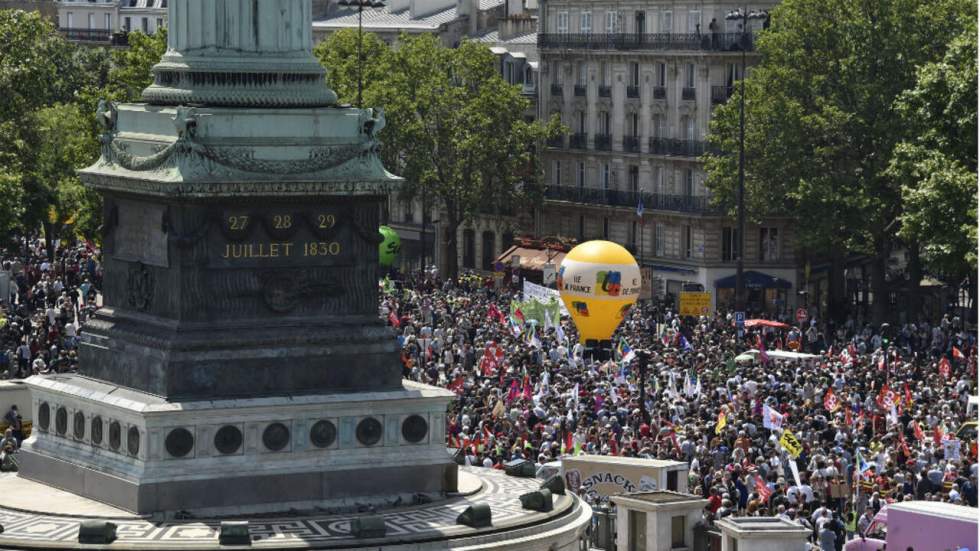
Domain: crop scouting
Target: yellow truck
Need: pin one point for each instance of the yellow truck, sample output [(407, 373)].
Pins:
[(602, 476)]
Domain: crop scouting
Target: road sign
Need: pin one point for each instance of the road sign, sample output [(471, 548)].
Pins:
[(695, 304), (740, 318), (792, 445), (801, 315)]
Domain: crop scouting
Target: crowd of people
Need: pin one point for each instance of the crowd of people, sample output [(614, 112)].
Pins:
[(47, 299), (876, 414)]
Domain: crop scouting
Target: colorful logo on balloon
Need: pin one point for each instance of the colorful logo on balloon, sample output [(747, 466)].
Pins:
[(608, 283), (581, 308)]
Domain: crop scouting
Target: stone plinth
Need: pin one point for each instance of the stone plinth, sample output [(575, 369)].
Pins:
[(144, 454), (762, 534), (649, 520)]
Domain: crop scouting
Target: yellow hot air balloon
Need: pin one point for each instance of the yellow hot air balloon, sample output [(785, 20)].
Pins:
[(598, 281)]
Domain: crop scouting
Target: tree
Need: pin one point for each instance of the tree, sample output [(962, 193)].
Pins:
[(455, 129), (821, 122), (338, 54), (937, 165), (130, 73)]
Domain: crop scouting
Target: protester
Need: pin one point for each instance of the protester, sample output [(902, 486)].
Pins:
[(875, 416)]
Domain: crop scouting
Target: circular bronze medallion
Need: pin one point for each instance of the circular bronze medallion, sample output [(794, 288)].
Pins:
[(323, 434), (133, 441), (115, 435), (414, 428), (228, 439), (44, 416), (369, 431), (275, 437), (179, 442), (96, 430), (79, 422), (61, 421)]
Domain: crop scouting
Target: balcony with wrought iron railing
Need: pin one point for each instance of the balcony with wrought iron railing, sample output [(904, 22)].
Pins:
[(688, 94), (603, 142), (579, 140), (618, 198), (633, 91), (720, 94), (680, 148), (557, 141), (718, 42), (103, 36), (580, 90), (631, 144), (659, 92), (605, 91), (556, 90)]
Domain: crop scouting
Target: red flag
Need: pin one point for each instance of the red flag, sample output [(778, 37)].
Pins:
[(762, 488), (944, 367), (394, 321), (457, 385), (937, 435), (830, 401), (495, 314), (514, 390), (569, 442), (908, 396), (917, 431), (526, 390), (958, 354), (903, 445)]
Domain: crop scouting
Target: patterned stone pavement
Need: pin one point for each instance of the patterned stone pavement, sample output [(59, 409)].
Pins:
[(436, 520)]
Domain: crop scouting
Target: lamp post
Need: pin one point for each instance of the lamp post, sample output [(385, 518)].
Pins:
[(360, 4), (743, 16)]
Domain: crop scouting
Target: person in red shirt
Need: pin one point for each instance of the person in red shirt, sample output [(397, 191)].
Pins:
[(714, 502)]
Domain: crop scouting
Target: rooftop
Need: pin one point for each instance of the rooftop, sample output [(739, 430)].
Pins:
[(384, 19), (493, 37), (661, 497)]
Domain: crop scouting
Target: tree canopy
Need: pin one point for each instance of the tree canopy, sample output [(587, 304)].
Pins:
[(456, 130), (823, 122)]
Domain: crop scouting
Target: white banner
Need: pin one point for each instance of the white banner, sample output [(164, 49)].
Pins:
[(543, 295)]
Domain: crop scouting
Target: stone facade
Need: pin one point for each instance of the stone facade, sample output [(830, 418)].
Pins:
[(636, 85)]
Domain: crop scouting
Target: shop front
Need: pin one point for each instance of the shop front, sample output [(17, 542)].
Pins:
[(765, 293)]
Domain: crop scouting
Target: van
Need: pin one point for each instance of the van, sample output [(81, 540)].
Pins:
[(919, 525)]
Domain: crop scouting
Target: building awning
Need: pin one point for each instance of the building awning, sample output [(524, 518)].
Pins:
[(531, 259), (754, 280)]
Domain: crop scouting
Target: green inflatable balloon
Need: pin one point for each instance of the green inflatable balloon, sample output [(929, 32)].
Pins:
[(391, 245)]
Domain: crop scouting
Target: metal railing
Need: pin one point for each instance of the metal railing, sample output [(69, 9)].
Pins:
[(617, 198), (632, 91), (605, 91), (720, 42), (631, 144), (95, 35), (688, 94), (557, 141), (683, 148), (659, 92), (580, 90), (579, 140), (720, 94), (556, 90), (603, 142)]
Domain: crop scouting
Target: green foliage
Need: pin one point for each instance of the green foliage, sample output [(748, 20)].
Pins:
[(455, 129), (338, 53), (11, 203), (130, 72), (938, 165), (823, 121)]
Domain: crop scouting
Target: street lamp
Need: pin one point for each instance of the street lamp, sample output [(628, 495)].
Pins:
[(360, 5), (743, 16)]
